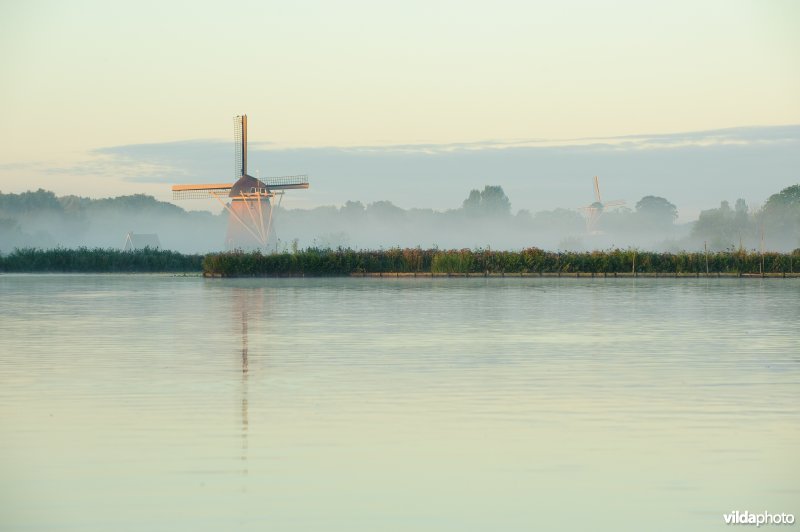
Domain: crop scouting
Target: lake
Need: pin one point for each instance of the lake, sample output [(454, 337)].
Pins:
[(150, 402)]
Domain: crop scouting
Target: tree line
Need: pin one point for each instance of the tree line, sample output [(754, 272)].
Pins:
[(778, 220), (485, 218)]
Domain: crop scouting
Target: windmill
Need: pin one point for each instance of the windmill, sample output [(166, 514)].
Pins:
[(249, 206), (596, 209)]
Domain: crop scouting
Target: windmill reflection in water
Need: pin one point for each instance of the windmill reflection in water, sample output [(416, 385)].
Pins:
[(246, 303)]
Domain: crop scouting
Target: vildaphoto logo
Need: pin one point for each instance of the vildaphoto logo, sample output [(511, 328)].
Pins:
[(764, 518)]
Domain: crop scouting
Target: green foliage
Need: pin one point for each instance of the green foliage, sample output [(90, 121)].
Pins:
[(472, 205), (27, 202), (724, 227), (781, 213), (789, 196), (383, 209), (322, 262), (492, 201), (655, 211), (46, 201), (315, 261), (84, 260), (352, 210), (139, 203), (452, 262)]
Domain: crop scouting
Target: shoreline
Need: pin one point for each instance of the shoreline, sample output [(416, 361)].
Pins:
[(575, 275), (411, 262)]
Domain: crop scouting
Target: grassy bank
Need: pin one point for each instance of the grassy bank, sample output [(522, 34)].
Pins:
[(346, 261), (319, 262), (98, 260)]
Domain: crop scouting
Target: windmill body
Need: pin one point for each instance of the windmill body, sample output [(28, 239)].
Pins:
[(595, 210), (249, 200)]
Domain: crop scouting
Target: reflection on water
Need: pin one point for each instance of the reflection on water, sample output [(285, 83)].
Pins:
[(243, 305), (158, 403)]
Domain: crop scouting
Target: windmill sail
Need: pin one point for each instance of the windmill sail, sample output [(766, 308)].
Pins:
[(596, 209), (210, 190), (247, 199), (240, 146)]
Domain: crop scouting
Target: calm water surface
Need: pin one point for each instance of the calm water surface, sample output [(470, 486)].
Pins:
[(167, 403)]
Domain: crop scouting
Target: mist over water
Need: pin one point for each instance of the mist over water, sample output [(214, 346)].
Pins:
[(717, 189), (485, 219), (41, 220), (370, 228)]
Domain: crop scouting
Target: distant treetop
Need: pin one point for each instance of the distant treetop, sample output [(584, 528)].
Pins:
[(492, 201)]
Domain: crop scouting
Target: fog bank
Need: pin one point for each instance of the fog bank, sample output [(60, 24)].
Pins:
[(484, 219)]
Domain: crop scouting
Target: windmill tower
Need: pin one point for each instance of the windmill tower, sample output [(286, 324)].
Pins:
[(250, 199), (596, 209)]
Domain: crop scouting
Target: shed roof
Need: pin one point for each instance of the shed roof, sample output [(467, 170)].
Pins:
[(141, 241)]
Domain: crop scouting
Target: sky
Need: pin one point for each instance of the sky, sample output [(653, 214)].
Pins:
[(413, 101)]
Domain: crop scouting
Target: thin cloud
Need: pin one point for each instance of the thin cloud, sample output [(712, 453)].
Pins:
[(168, 161), (729, 136), (694, 170)]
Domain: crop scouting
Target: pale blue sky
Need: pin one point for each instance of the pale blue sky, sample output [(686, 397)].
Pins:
[(86, 75)]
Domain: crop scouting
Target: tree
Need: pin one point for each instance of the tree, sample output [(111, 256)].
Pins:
[(492, 201), (789, 196), (741, 218), (386, 211), (352, 210), (741, 206), (29, 202), (472, 205), (781, 217), (655, 211), (717, 226)]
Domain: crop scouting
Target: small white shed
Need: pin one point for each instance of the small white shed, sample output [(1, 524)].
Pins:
[(140, 241)]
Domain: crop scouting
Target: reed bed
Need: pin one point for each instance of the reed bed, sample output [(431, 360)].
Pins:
[(98, 260), (327, 262), (322, 262)]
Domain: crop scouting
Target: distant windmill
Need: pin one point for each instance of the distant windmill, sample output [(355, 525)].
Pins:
[(249, 209), (596, 209)]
